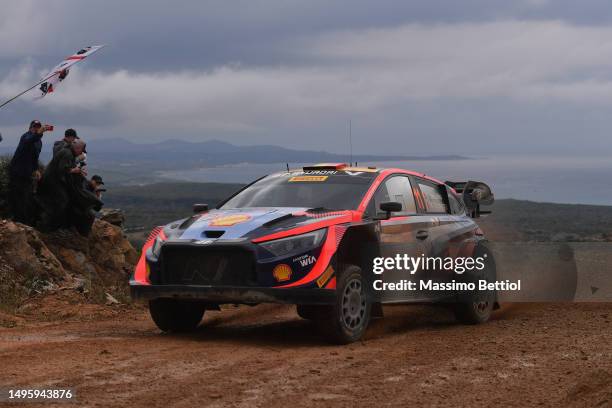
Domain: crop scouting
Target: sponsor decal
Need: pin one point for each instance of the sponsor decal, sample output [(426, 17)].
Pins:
[(325, 277), (305, 260), (307, 178), (282, 272), (229, 220), (205, 242)]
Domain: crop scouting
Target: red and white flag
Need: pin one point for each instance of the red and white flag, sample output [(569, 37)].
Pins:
[(60, 72)]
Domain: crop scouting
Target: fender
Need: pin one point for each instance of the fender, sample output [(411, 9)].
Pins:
[(140, 275), (359, 246)]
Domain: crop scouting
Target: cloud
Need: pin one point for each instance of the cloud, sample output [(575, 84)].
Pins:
[(349, 73), (369, 69), (475, 60), (27, 27)]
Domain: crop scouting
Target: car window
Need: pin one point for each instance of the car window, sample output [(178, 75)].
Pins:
[(456, 206), (397, 189), (311, 189), (433, 198)]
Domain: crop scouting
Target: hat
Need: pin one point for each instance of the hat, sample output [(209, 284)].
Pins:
[(97, 179), (71, 133), (35, 123)]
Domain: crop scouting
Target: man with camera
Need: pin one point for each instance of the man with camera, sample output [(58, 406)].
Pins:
[(64, 201), (24, 173), (94, 186), (70, 135)]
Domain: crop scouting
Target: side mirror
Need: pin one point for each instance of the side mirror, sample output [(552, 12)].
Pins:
[(200, 208), (476, 194), (391, 207)]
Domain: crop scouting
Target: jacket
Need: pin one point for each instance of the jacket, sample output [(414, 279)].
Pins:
[(59, 145), (25, 159)]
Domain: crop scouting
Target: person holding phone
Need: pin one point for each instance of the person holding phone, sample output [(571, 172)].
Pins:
[(24, 173)]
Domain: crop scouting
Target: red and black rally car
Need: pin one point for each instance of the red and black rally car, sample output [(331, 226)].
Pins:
[(308, 237)]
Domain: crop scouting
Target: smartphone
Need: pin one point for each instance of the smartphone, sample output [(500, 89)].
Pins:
[(49, 128)]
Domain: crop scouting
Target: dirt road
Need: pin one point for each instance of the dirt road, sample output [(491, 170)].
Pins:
[(542, 355)]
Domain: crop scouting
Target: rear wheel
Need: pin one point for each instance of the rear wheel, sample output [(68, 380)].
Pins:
[(476, 307), (174, 315), (348, 319)]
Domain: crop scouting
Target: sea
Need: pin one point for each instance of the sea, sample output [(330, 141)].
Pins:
[(557, 179)]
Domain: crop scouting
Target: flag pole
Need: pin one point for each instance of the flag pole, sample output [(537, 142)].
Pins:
[(29, 89)]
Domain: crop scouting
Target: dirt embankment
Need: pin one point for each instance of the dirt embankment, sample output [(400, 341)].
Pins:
[(41, 272)]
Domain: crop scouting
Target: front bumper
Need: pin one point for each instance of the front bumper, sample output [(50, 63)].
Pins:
[(237, 294)]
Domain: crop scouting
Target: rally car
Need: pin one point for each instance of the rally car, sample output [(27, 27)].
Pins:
[(308, 237)]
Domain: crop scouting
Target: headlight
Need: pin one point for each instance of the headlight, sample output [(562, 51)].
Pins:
[(156, 248), (297, 244)]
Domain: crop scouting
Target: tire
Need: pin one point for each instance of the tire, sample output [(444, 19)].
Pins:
[(476, 307), (175, 316), (347, 320)]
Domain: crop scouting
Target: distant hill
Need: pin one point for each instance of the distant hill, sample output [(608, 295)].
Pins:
[(123, 162), (216, 152), (175, 154)]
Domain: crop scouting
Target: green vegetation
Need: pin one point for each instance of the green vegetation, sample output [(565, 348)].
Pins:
[(512, 220), (158, 204)]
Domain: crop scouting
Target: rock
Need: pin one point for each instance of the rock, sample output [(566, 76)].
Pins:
[(565, 237), (110, 300), (7, 320), (79, 284), (32, 263), (113, 216), (26, 264)]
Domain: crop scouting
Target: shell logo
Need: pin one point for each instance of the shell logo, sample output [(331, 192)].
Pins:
[(282, 272), (229, 220)]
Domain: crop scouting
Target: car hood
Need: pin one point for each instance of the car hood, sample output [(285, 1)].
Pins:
[(252, 223)]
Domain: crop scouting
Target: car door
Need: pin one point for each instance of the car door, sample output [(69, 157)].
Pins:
[(460, 228), (447, 232), (402, 233)]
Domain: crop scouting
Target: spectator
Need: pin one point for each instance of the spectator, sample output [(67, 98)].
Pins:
[(24, 173), (70, 135), (64, 201), (95, 186)]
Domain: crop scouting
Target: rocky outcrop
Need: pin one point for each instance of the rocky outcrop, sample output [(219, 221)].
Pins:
[(34, 265), (113, 216)]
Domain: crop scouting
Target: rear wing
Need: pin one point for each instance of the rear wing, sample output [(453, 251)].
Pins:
[(474, 194)]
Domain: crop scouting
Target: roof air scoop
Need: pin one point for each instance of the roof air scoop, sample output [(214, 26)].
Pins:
[(326, 166)]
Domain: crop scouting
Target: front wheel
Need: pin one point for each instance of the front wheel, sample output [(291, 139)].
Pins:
[(174, 315), (349, 317)]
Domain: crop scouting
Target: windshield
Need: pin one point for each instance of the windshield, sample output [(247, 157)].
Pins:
[(334, 190)]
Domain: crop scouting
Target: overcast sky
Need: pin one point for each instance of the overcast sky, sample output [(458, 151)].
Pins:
[(415, 77)]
